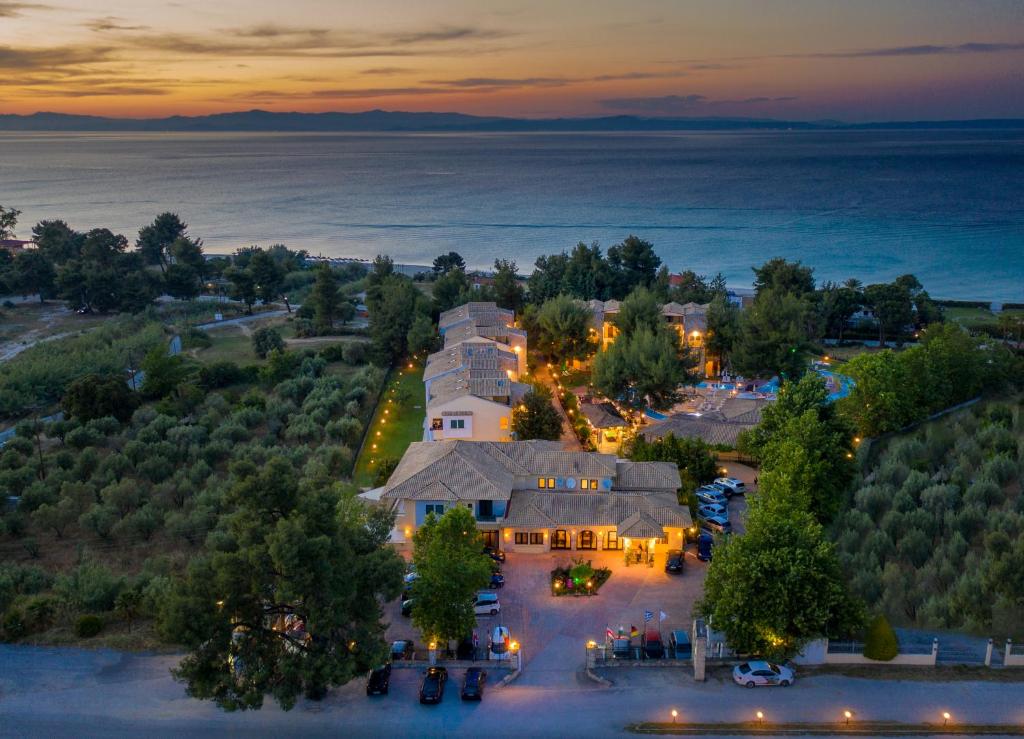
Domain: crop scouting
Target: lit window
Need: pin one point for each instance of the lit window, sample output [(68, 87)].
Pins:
[(542, 483), (504, 422), (551, 482)]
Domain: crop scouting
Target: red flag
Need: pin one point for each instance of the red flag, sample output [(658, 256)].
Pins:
[(609, 633)]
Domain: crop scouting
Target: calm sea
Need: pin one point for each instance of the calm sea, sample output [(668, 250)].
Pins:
[(947, 206)]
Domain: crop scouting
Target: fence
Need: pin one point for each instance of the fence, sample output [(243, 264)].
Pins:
[(602, 655), (826, 652), (1014, 654)]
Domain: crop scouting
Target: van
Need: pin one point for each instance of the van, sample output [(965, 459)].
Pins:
[(653, 648)]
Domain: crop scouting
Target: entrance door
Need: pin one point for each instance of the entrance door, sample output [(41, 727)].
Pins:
[(586, 540), (490, 539), (559, 539)]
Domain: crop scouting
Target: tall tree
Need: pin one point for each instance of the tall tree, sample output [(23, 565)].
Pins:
[(633, 264), (564, 330), (535, 417), (445, 263), (392, 318), (33, 273), (776, 335), (162, 373), (508, 291), (893, 308), (723, 327), (268, 274), (838, 304), (242, 286), (57, 241), (452, 567), (325, 299), (381, 270), (99, 396), (287, 601), (641, 309), (691, 288), (8, 222), (647, 367), (422, 335), (545, 282), (786, 277), (808, 599), (154, 241), (450, 290), (587, 274)]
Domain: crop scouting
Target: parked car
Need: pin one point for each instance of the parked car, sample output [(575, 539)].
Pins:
[(499, 643), (717, 524), (679, 644), (706, 510), (401, 649), (674, 561), (732, 485), (711, 497), (705, 543), (486, 604), (411, 578), (432, 687), (653, 648), (380, 680), (497, 580), (473, 684), (496, 554), (752, 674), (407, 607)]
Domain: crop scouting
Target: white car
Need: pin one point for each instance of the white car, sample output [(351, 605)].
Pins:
[(732, 485), (752, 674), (486, 604)]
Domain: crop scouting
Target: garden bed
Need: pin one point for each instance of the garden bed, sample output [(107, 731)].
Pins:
[(579, 578)]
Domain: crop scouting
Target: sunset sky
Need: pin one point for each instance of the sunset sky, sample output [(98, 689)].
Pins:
[(800, 59)]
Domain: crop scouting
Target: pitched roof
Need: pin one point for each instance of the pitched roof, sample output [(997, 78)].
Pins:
[(449, 469), (640, 526), (468, 330), (646, 476), (550, 509), (482, 313), (602, 415), (481, 383), (482, 354), (711, 427)]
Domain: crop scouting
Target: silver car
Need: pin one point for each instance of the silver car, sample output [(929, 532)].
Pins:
[(752, 674)]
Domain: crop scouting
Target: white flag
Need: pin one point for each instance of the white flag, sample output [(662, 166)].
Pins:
[(662, 616)]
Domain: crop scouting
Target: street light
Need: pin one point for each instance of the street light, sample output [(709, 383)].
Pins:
[(760, 717), (675, 714), (945, 717), (848, 714)]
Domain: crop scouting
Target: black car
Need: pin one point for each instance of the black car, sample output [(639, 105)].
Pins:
[(432, 688), (497, 580), (473, 684), (496, 554), (407, 607), (379, 680), (674, 561)]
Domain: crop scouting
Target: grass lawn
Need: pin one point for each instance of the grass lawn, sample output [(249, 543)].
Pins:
[(397, 422)]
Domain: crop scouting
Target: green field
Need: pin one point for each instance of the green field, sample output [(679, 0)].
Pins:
[(397, 422)]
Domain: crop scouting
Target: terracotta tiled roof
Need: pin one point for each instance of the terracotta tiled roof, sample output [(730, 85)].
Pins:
[(711, 427), (481, 313), (602, 415), (646, 476), (550, 509), (475, 354)]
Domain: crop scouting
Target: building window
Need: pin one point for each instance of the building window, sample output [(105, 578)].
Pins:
[(536, 538), (522, 537), (559, 539), (551, 483), (486, 509), (611, 540), (436, 424), (436, 508), (586, 540), (542, 483), (457, 423), (503, 423)]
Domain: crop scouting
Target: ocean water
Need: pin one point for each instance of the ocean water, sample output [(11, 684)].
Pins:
[(947, 206)]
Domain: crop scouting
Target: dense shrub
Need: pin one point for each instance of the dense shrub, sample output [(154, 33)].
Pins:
[(90, 586), (88, 626)]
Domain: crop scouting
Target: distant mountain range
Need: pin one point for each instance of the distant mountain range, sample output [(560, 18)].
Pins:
[(396, 121)]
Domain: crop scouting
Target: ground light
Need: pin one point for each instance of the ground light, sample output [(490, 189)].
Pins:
[(675, 714), (945, 717), (847, 715), (760, 717)]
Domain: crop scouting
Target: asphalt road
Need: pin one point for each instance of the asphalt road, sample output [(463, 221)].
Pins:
[(66, 692)]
